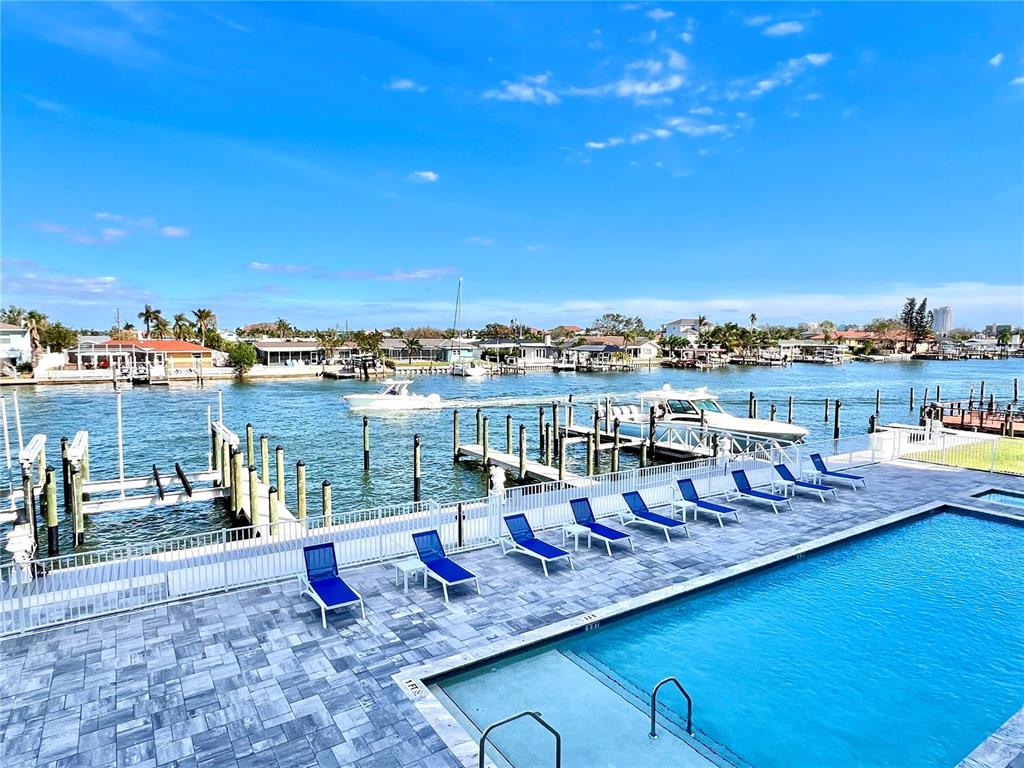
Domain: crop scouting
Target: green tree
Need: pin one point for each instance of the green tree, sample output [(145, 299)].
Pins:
[(242, 357), (13, 315), (183, 330), (828, 330), (330, 341), (57, 337), (1004, 338), (161, 328), (497, 332), (411, 345), (282, 328), (36, 323), (148, 316), (205, 320), (753, 321)]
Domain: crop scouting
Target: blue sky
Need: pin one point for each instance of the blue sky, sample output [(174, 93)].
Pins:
[(335, 163)]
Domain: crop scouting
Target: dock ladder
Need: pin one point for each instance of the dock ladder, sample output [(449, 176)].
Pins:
[(654, 706), (525, 713)]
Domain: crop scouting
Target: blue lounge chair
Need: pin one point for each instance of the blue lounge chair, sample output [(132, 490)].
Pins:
[(745, 490), (789, 479), (523, 541), (322, 582), (640, 514), (827, 474), (584, 515), (438, 566), (689, 492)]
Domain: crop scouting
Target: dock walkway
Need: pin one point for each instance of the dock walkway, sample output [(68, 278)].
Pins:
[(534, 469)]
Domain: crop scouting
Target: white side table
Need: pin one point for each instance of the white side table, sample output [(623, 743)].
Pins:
[(575, 530), (684, 506), (811, 476), (406, 568)]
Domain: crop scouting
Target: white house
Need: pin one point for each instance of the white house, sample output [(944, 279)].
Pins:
[(687, 328), (15, 344)]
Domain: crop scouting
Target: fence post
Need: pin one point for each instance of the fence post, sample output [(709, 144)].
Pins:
[(995, 444), (522, 451)]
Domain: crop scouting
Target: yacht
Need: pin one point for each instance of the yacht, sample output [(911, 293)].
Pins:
[(686, 407), (394, 395), (471, 369)]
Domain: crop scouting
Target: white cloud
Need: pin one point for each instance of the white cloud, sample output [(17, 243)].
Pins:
[(818, 59), (996, 60), (676, 60), (788, 71), (49, 106), (536, 247), (763, 86), (262, 266), (614, 141), (426, 177), (112, 234), (757, 21), (481, 241), (651, 66), (811, 97), (173, 232), (702, 111), (1017, 80), (647, 37), (659, 14), (694, 128), (105, 216), (532, 90), (686, 37), (405, 84), (783, 28), (661, 133)]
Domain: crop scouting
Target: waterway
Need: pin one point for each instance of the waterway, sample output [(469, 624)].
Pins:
[(308, 417)]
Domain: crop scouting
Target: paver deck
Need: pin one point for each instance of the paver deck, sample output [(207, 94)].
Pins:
[(251, 678)]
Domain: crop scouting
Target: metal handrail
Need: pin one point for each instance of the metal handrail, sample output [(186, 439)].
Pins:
[(525, 713), (654, 706)]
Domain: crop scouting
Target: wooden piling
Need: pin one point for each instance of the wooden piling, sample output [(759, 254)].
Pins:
[(643, 454), (254, 496), (479, 425), (981, 396), (714, 445), (540, 430), (77, 534), (872, 424), (554, 425), (826, 410), (265, 459), (911, 410), (455, 435), (771, 412), (938, 392), (65, 465), (508, 433), (225, 464), (52, 539), (484, 439), (652, 437), (590, 455), (924, 400), (615, 445), (366, 445), (416, 480), (991, 402), (279, 456), (272, 503), (835, 421), (568, 413), (789, 416), (84, 466), (561, 459), (300, 489), (326, 490), (878, 401), (547, 444), (751, 408), (1015, 389), (250, 445), (214, 449), (522, 451)]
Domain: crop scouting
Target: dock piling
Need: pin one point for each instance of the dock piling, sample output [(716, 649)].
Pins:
[(479, 425), (65, 466), (835, 425), (554, 425), (265, 459), (279, 456), (326, 490), (771, 412), (872, 424), (561, 459), (652, 435), (590, 455), (237, 467), (416, 441), (300, 489), (789, 415), (254, 496), (455, 435), (508, 433), (272, 503), (547, 444), (911, 400), (522, 451), (540, 430), (615, 445), (1015, 389), (250, 446), (878, 401), (643, 454), (52, 540), (826, 410), (981, 397), (484, 441), (751, 405), (938, 392), (366, 445)]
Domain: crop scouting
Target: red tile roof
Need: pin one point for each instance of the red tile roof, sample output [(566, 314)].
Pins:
[(850, 335), (156, 345)]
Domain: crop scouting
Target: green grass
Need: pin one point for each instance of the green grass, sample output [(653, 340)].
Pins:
[(1009, 457)]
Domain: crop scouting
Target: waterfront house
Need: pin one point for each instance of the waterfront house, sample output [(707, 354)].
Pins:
[(300, 352), (687, 328), (430, 350), (601, 350), (521, 352), (15, 345), (159, 355)]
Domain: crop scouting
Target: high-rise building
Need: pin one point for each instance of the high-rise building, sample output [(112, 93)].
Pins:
[(942, 320)]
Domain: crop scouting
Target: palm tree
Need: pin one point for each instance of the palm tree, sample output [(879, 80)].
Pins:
[(36, 323), (411, 345), (205, 319), (702, 321), (13, 315), (330, 341), (670, 344), (149, 315), (161, 328), (753, 320), (182, 329), (282, 328)]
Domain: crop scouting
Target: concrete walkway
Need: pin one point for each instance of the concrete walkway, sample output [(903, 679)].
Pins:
[(251, 678)]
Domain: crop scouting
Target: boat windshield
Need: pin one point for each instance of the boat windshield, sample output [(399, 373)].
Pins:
[(680, 406), (395, 388), (708, 405)]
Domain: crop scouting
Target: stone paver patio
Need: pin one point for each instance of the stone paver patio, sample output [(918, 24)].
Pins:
[(250, 678)]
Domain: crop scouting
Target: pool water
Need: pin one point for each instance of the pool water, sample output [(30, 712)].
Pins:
[(904, 649), (1003, 497)]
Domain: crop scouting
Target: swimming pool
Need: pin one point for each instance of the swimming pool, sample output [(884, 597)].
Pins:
[(903, 648), (1002, 497)]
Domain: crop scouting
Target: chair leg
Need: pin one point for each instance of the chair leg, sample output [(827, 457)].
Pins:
[(720, 523), (608, 546), (323, 616), (477, 582), (445, 588), (544, 565), (363, 606), (632, 547), (667, 539), (572, 565)]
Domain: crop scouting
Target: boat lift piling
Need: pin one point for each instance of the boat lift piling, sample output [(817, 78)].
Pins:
[(508, 433), (789, 415), (265, 459), (366, 445), (416, 479), (300, 489), (279, 476)]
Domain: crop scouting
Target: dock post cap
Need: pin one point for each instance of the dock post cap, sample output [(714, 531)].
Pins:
[(326, 483)]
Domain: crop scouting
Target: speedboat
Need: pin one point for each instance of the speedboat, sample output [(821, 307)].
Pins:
[(394, 395), (470, 370), (688, 408)]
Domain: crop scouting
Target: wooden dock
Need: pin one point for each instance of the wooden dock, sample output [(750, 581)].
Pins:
[(534, 469), (663, 448)]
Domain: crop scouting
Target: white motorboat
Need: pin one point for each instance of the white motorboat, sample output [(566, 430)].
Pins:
[(689, 407), (470, 369), (394, 395)]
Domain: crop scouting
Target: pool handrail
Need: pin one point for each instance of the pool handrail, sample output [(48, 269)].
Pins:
[(654, 706), (525, 713)]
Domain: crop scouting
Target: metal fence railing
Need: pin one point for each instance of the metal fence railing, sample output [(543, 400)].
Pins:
[(55, 590)]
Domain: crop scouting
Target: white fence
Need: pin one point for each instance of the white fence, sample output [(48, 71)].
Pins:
[(56, 590)]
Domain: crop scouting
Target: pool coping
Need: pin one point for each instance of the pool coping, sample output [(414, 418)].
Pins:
[(414, 680)]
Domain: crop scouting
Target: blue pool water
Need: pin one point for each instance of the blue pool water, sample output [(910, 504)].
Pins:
[(900, 649), (1003, 497)]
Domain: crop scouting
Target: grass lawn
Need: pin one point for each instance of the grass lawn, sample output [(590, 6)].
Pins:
[(1009, 456)]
